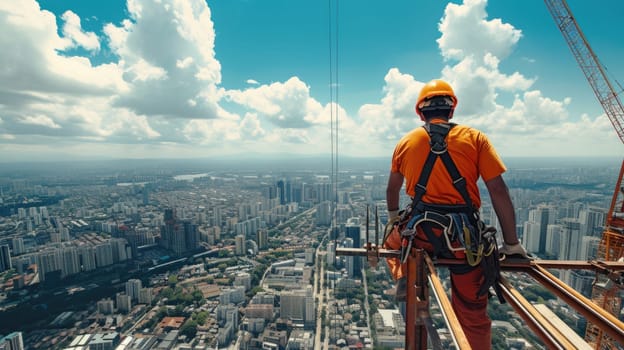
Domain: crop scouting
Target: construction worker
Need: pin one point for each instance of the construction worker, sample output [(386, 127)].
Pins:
[(473, 156)]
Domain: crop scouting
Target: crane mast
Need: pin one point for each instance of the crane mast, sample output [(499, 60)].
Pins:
[(604, 292)]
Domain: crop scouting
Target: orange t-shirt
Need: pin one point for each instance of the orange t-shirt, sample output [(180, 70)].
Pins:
[(469, 148)]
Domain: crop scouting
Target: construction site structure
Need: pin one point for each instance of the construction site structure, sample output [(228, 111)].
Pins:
[(604, 292)]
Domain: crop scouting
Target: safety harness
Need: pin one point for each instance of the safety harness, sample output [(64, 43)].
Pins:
[(463, 231)]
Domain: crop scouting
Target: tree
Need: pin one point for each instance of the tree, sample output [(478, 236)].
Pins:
[(172, 280), (189, 329)]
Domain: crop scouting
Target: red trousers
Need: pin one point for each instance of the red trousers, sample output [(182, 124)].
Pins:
[(470, 309)]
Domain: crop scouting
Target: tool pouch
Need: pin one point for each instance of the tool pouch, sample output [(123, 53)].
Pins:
[(490, 263)]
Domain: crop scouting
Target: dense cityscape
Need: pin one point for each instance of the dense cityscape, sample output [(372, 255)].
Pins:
[(182, 254)]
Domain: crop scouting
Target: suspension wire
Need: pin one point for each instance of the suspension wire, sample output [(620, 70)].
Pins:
[(333, 107), (333, 96)]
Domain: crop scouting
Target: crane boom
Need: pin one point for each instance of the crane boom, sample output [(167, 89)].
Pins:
[(589, 63), (604, 292)]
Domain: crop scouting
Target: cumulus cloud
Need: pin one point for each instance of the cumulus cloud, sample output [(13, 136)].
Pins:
[(167, 52), (161, 91), (72, 30), (466, 31), (286, 105), (42, 120)]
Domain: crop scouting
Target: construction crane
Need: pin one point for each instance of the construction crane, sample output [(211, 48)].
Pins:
[(604, 293)]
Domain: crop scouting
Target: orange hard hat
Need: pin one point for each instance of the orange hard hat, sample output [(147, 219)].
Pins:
[(435, 88)]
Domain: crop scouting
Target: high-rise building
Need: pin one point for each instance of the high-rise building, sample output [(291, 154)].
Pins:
[(292, 305), (331, 253), (124, 302), (12, 341), (18, 245), (553, 239), (543, 215), (592, 221), (5, 258), (570, 239), (262, 238), (353, 231), (323, 214), (146, 296), (191, 235), (531, 236), (239, 242), (173, 234), (71, 261), (133, 286), (281, 191), (105, 306)]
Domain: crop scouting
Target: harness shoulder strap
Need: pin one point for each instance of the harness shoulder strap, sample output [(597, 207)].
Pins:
[(439, 148)]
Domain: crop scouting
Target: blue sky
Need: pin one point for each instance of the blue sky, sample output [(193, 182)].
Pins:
[(190, 78)]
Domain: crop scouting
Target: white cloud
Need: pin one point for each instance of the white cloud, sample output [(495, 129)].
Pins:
[(286, 105), (167, 53), (72, 30), (466, 31), (162, 94), (41, 120)]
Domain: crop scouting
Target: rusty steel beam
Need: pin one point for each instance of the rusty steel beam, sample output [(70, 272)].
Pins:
[(592, 312), (552, 338), (450, 317), (535, 320), (600, 266)]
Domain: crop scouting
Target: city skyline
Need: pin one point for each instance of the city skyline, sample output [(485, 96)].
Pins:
[(189, 79)]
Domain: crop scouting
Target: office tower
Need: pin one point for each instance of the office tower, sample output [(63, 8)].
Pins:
[(44, 212), (310, 308), (353, 231), (349, 260), (48, 261), (297, 193), (124, 303), (553, 240), (570, 239), (543, 215), (5, 258), (240, 245), (531, 236), (323, 214), (323, 192), (262, 238), (105, 306), (281, 191), (103, 254), (243, 279), (55, 237), (309, 256), (331, 253), (217, 214), (87, 258), (18, 245), (145, 194), (292, 305), (172, 235), (146, 296), (71, 261), (589, 248), (288, 195), (133, 286), (592, 221), (191, 235), (13, 341)]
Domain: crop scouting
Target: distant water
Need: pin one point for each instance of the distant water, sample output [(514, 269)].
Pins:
[(189, 177)]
